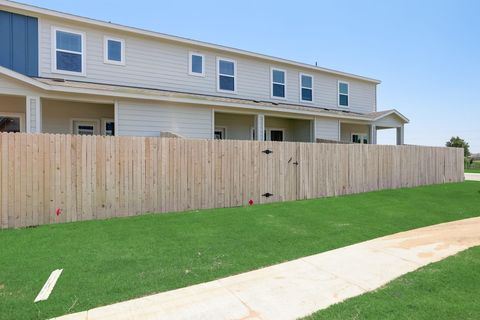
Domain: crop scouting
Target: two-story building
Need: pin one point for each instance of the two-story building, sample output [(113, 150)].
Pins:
[(61, 73)]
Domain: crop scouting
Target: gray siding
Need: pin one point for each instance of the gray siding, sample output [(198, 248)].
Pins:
[(389, 121), (326, 128), (238, 126), (150, 119), (161, 64), (348, 128)]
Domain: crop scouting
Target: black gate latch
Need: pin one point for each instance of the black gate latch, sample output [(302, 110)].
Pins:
[(267, 195), (296, 163), (267, 151)]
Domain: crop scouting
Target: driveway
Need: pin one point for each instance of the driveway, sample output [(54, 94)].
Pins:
[(472, 176)]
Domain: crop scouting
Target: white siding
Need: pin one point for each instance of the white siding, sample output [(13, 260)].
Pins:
[(161, 64), (389, 121), (150, 119), (326, 128)]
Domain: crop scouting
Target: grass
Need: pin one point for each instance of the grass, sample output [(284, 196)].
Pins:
[(119, 259), (472, 168), (449, 289)]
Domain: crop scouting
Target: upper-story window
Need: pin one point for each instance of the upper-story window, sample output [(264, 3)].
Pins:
[(343, 91), (278, 83), (306, 87), (69, 52), (114, 51), (196, 64), (227, 70)]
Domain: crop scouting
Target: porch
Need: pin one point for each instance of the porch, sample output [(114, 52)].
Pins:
[(244, 126), (41, 115)]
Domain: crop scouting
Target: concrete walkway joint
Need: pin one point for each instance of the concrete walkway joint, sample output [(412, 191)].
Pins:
[(300, 287)]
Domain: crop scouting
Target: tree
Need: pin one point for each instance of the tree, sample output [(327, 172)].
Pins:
[(456, 142)]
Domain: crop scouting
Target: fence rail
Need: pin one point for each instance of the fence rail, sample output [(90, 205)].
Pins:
[(96, 177)]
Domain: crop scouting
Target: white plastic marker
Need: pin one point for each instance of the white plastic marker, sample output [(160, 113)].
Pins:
[(48, 286)]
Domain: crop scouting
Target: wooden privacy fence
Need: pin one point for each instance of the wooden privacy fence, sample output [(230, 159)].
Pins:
[(96, 177)]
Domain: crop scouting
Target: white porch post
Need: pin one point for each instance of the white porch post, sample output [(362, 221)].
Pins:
[(373, 134), (260, 127), (400, 135), (33, 112)]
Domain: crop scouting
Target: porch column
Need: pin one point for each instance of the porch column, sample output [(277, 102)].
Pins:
[(400, 135), (33, 111), (373, 134), (260, 127)]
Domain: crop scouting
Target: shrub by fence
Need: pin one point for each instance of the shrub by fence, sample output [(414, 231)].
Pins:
[(96, 177)]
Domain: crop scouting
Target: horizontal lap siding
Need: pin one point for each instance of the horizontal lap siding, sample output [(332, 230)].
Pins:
[(161, 64), (143, 119), (99, 177), (326, 128)]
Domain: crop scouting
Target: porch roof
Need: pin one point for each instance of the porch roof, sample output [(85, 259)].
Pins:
[(130, 92)]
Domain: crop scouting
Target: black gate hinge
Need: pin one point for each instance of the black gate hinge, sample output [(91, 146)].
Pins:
[(267, 195)]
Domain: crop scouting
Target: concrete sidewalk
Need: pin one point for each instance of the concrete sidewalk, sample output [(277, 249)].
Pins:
[(300, 287), (472, 176)]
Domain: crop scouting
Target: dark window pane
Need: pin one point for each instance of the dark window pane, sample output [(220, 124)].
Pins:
[(343, 100), (114, 50), (69, 41), (278, 76), (110, 128), (197, 64), (306, 81), (276, 135), (227, 83), (279, 90), (343, 88), (227, 67), (355, 138), (69, 61), (307, 94), (9, 124)]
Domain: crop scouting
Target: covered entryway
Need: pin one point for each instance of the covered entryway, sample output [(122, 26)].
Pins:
[(12, 113)]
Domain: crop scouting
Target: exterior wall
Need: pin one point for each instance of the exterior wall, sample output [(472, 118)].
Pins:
[(348, 128), (162, 64), (327, 128), (389, 122), (19, 43), (238, 126), (57, 115), (150, 119)]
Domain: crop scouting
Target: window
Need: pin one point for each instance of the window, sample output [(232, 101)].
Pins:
[(219, 133), (278, 83), (360, 138), (271, 134), (227, 70), (196, 65), (68, 55), (306, 88), (108, 127), (343, 94), (85, 127), (114, 50), (10, 122)]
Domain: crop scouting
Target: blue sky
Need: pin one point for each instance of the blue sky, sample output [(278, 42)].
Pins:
[(427, 53)]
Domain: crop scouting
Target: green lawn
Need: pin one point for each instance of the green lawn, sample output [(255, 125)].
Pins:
[(449, 289), (119, 259), (472, 170)]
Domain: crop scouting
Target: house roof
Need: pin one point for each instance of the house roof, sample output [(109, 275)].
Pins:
[(52, 13), (129, 92)]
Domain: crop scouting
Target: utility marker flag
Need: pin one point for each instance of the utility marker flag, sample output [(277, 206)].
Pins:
[(48, 286)]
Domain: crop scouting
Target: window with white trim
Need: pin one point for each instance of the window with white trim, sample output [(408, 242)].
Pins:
[(114, 50), (361, 138), (196, 64), (69, 52), (227, 70), (278, 83), (306, 88), (343, 90), (84, 127), (10, 122)]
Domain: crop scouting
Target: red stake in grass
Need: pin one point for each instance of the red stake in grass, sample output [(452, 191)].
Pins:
[(58, 212)]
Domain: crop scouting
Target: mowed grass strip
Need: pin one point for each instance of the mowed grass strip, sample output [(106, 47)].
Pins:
[(119, 259), (449, 289)]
